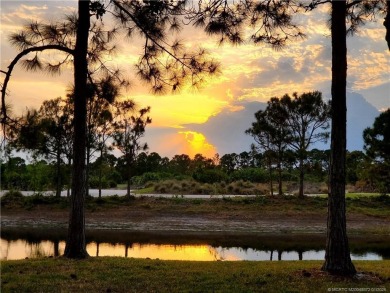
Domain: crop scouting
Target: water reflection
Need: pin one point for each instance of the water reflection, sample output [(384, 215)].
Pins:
[(20, 249)]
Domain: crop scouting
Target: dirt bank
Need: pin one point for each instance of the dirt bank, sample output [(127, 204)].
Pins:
[(200, 216)]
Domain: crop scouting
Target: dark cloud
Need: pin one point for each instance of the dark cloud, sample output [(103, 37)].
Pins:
[(226, 131), (379, 96), (360, 115)]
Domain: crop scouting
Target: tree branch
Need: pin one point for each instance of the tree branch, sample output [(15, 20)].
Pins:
[(15, 61), (147, 34), (353, 3)]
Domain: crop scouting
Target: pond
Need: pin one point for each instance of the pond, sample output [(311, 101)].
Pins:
[(195, 247)]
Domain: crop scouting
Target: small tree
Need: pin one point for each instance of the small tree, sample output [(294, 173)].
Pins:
[(180, 164), (100, 101), (47, 133), (14, 173), (228, 163), (307, 118), (270, 133), (129, 129)]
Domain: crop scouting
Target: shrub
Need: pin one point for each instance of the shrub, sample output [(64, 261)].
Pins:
[(94, 182), (149, 177), (11, 197), (209, 176), (250, 174)]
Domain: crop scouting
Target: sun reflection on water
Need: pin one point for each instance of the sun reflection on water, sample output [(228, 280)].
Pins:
[(20, 249)]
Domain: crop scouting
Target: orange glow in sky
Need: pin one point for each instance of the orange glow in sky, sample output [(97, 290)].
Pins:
[(248, 73), (197, 144)]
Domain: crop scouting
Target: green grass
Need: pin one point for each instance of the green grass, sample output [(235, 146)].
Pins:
[(361, 194), (145, 190), (144, 275)]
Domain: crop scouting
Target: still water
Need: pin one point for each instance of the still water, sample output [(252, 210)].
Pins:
[(24, 248)]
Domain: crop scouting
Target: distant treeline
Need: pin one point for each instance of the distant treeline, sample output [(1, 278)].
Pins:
[(109, 171)]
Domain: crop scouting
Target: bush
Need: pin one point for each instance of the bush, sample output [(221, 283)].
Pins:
[(39, 198), (193, 187), (250, 174), (12, 197), (176, 186), (150, 177), (209, 176), (16, 199), (94, 183), (246, 188)]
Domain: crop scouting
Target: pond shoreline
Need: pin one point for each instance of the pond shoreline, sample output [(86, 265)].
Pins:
[(262, 224), (127, 220), (270, 215), (22, 242)]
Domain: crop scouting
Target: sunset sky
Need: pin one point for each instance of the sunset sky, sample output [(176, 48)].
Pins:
[(250, 74)]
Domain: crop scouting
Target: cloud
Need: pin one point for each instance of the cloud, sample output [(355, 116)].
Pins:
[(379, 96), (226, 130), (176, 110), (197, 144), (170, 141)]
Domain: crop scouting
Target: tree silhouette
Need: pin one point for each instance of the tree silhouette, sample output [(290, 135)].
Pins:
[(270, 21), (377, 138), (270, 133), (228, 162), (100, 108), (353, 13), (337, 253), (272, 24), (180, 164), (291, 123), (84, 43), (47, 132), (129, 129), (76, 243), (307, 118)]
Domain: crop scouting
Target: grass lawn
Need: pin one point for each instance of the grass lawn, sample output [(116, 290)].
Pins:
[(107, 274)]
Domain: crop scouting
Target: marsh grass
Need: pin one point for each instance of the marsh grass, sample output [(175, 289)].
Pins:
[(189, 186), (107, 274)]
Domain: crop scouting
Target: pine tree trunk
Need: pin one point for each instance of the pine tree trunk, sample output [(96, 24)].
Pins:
[(337, 254), (75, 243)]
